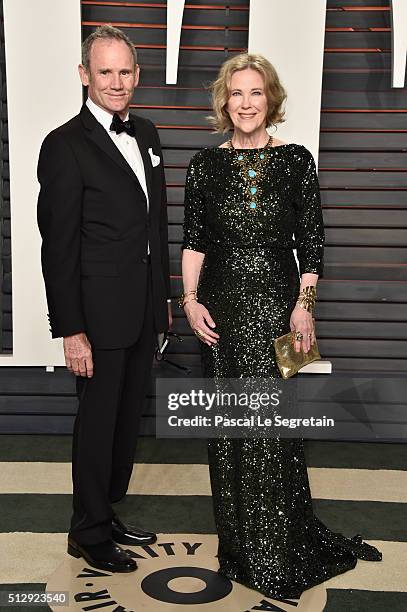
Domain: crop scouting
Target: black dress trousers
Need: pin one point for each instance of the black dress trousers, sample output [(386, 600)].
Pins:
[(105, 430)]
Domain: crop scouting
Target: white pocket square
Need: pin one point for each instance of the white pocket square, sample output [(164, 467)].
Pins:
[(155, 160)]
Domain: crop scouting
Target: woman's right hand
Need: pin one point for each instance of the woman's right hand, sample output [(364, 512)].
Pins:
[(201, 322)]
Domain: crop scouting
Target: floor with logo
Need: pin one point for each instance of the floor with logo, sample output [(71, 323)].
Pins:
[(357, 488)]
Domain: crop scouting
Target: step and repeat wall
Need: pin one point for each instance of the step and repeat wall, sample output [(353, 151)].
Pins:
[(337, 61)]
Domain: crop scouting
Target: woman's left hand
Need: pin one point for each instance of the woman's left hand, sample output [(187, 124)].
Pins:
[(301, 321)]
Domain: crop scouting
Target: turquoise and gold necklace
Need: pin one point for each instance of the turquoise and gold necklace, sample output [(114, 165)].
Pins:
[(253, 171)]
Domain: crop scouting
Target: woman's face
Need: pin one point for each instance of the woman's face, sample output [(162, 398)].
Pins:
[(247, 105)]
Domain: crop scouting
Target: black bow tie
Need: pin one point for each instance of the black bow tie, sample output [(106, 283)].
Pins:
[(120, 126)]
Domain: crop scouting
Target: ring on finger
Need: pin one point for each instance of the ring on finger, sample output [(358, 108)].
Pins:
[(198, 333), (298, 335)]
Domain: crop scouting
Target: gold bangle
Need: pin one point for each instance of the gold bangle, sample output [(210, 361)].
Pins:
[(185, 302), (182, 297), (307, 298), (304, 306), (309, 289)]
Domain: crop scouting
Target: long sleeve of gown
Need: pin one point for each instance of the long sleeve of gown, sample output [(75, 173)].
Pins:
[(309, 232), (195, 230)]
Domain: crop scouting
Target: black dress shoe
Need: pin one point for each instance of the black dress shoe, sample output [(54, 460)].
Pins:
[(105, 556), (132, 536)]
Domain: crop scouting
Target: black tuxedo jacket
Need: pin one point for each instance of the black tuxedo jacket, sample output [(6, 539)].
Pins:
[(93, 219)]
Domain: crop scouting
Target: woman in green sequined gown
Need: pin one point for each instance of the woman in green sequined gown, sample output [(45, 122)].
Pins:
[(238, 252)]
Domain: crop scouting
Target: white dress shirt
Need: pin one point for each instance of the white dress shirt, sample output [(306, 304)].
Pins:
[(127, 146)]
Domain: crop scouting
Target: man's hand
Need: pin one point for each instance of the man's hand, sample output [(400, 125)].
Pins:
[(78, 355)]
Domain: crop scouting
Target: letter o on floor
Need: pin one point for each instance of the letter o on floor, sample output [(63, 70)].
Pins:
[(156, 585)]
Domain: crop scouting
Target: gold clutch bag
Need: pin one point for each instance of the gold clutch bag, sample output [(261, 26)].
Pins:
[(288, 360)]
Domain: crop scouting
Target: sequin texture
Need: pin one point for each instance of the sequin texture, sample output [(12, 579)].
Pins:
[(269, 537)]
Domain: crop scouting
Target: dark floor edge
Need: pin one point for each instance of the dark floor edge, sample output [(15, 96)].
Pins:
[(194, 514), (338, 600), (353, 455)]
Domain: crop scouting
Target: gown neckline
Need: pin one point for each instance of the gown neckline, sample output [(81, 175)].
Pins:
[(287, 144)]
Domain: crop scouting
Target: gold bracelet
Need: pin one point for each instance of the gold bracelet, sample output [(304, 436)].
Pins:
[(307, 298), (185, 302), (182, 297)]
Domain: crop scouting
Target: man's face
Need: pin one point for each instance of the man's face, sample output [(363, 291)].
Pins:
[(112, 76)]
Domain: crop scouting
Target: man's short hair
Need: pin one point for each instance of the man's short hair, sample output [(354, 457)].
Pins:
[(105, 32)]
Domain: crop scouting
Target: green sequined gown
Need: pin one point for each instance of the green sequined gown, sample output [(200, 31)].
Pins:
[(269, 537)]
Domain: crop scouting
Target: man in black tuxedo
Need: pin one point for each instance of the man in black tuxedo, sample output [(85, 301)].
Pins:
[(103, 220)]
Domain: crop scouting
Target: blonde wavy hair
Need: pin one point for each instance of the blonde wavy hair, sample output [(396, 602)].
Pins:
[(220, 90)]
